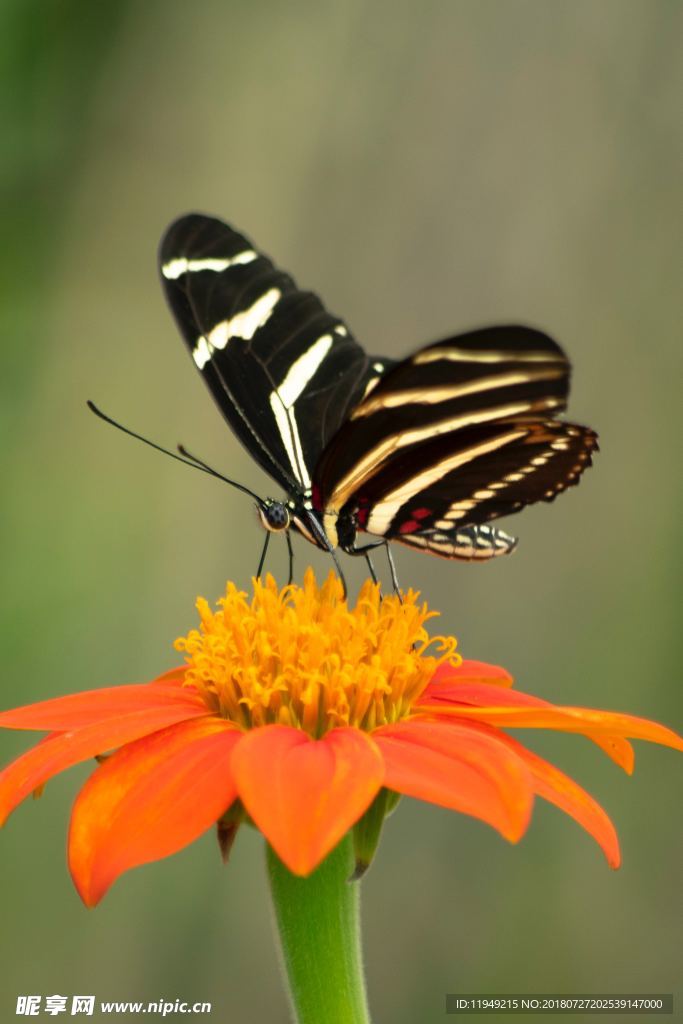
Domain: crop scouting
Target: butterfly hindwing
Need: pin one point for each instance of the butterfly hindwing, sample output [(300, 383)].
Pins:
[(458, 434), (492, 473)]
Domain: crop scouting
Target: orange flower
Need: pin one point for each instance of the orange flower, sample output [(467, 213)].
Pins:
[(296, 710)]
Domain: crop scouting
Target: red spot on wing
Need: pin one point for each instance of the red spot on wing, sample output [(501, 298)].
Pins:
[(421, 513), (316, 498), (410, 526), (362, 516)]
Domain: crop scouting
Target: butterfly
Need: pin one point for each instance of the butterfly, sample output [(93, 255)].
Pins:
[(425, 451)]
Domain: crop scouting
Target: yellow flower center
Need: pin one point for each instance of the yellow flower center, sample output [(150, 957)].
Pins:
[(301, 656)]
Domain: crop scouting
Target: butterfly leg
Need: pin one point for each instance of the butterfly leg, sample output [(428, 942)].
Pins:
[(392, 570), (263, 555), (342, 577), (365, 548), (365, 552), (290, 551), (371, 568), (323, 541)]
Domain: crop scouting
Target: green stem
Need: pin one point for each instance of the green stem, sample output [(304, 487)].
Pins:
[(318, 926)]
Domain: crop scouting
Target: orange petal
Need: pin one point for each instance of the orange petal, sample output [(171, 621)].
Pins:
[(80, 709), (469, 671), (477, 693), (173, 677), (588, 721), (63, 749), (556, 787), (617, 749), (460, 767), (305, 794), (148, 800), (484, 695)]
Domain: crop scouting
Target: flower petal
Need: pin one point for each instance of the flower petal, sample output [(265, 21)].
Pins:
[(617, 749), (556, 787), (61, 750), (484, 695), (76, 710), (456, 766), (305, 794), (172, 677), (148, 800), (477, 693), (469, 671), (587, 721)]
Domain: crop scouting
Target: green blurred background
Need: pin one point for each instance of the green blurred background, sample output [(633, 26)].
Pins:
[(426, 168)]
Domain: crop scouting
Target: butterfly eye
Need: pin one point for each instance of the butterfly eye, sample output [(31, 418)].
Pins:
[(274, 516)]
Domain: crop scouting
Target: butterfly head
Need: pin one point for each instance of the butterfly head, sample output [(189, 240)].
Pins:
[(274, 515)]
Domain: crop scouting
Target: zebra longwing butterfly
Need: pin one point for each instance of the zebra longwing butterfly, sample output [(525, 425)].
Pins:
[(424, 451)]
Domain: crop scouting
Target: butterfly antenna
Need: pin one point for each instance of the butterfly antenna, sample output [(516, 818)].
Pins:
[(184, 457), (198, 463)]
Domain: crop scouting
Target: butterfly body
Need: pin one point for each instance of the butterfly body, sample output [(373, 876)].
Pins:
[(425, 451)]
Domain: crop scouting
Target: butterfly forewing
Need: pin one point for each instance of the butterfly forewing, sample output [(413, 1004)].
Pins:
[(284, 372)]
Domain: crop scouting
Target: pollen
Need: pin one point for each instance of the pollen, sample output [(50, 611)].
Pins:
[(302, 656)]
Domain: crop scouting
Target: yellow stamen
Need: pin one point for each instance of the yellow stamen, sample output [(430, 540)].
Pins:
[(301, 656)]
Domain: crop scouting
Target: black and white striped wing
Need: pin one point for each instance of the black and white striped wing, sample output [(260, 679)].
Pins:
[(283, 371), (462, 432)]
